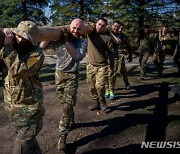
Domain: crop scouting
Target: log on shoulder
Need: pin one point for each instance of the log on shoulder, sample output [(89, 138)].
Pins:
[(45, 33)]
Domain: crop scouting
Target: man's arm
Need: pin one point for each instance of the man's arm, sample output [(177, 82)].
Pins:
[(128, 48), (79, 53), (19, 68), (43, 44), (114, 38)]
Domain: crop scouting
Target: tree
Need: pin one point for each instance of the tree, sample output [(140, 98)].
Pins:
[(14, 11), (140, 11), (65, 10)]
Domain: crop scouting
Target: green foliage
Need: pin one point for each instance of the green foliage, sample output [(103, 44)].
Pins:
[(133, 13), (14, 11), (66, 10)]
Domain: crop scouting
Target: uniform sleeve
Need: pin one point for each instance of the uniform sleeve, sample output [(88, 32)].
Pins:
[(81, 50), (165, 38), (155, 44), (110, 52), (128, 45), (18, 68)]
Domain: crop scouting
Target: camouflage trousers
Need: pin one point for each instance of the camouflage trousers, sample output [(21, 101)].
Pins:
[(96, 79), (119, 67), (66, 88), (160, 60), (143, 58), (25, 141), (28, 124)]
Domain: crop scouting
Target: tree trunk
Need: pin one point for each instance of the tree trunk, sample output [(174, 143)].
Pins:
[(45, 33)]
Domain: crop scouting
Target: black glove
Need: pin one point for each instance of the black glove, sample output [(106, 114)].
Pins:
[(129, 59)]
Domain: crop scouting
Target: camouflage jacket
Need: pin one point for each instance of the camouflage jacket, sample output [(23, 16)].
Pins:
[(65, 62), (23, 92), (148, 43), (125, 44), (165, 41)]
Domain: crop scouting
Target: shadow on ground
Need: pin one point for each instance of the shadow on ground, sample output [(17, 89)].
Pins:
[(156, 127)]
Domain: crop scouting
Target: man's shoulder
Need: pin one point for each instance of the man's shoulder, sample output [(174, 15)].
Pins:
[(105, 36)]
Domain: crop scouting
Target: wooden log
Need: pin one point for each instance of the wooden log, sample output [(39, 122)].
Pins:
[(45, 33)]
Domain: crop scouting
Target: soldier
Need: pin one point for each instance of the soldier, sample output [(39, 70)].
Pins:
[(70, 49), (165, 39), (147, 45), (23, 93), (100, 51), (124, 49), (110, 84)]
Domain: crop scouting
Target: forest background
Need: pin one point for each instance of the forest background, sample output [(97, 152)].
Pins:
[(133, 13)]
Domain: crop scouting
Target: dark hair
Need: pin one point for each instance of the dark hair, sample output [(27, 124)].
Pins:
[(103, 19), (118, 22), (166, 26)]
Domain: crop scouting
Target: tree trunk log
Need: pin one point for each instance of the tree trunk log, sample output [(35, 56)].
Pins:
[(45, 33)]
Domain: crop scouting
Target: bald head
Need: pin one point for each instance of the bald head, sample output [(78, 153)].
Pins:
[(76, 27)]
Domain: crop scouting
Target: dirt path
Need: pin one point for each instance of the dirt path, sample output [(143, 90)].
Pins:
[(148, 112)]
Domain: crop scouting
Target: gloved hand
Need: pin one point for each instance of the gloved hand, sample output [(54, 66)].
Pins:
[(129, 59), (64, 36)]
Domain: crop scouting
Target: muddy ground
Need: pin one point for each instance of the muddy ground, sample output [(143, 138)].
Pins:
[(147, 112)]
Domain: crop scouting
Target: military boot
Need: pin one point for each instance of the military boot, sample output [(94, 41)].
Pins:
[(26, 147), (17, 148), (72, 124), (35, 148), (95, 106), (20, 146), (103, 104), (61, 145), (128, 87)]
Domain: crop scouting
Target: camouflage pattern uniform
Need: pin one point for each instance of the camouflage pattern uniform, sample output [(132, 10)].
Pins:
[(23, 92), (148, 45), (100, 54), (164, 47), (97, 90), (66, 79), (123, 48), (119, 62)]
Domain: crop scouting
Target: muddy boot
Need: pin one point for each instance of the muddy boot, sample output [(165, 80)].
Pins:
[(61, 145), (72, 124), (35, 148), (26, 147), (128, 87), (95, 106), (103, 104), (17, 149)]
